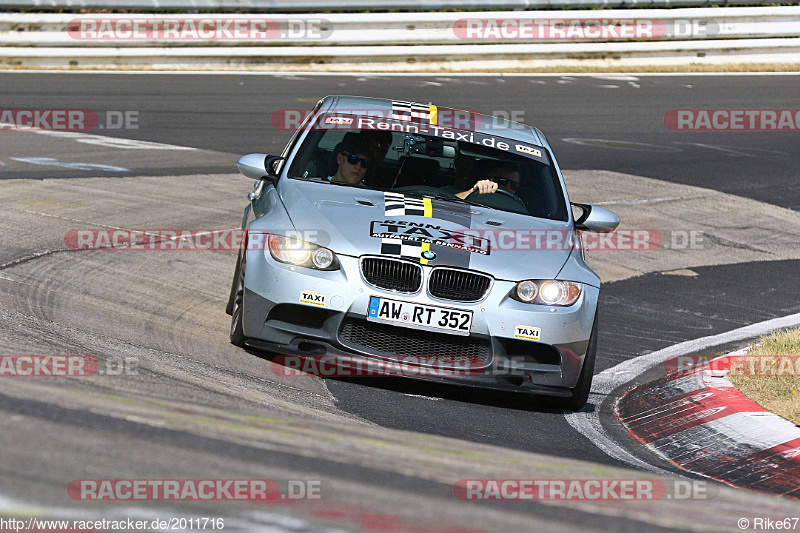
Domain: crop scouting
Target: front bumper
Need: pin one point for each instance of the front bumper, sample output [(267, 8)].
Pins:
[(277, 318)]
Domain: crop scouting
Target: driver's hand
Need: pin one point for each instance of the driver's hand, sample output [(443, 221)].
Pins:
[(485, 187)]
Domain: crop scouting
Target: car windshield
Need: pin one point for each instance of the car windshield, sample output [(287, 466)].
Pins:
[(414, 158)]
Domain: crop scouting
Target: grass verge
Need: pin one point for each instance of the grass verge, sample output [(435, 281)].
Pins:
[(770, 374)]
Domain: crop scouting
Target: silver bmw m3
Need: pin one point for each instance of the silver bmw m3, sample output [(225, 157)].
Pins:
[(436, 239)]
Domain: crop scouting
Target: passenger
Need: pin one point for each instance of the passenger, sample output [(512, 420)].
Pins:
[(382, 141)]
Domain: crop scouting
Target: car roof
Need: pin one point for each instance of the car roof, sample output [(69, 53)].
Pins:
[(487, 124)]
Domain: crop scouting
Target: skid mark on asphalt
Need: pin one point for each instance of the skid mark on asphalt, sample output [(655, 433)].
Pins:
[(734, 151), (13, 280), (69, 219), (742, 246), (620, 145), (30, 257), (718, 149), (657, 200)]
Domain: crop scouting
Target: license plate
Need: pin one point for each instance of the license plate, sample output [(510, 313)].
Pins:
[(420, 316)]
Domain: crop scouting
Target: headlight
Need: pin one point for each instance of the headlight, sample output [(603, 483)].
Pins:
[(546, 292), (301, 253), (322, 258), (527, 291)]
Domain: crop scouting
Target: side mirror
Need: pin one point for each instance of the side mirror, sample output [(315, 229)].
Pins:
[(596, 218), (259, 166)]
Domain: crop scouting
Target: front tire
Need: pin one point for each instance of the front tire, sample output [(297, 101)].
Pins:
[(234, 284), (237, 309), (580, 393)]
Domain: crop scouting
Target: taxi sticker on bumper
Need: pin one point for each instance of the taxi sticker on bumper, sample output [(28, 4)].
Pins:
[(313, 298), (527, 332)]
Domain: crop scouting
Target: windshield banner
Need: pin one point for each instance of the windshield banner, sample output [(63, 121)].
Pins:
[(362, 122)]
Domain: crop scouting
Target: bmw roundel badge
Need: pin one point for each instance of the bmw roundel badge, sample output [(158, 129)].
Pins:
[(427, 254)]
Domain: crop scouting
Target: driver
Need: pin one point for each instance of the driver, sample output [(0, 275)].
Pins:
[(354, 156), (503, 175)]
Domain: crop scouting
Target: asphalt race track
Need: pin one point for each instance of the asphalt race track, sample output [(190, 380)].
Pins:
[(197, 407)]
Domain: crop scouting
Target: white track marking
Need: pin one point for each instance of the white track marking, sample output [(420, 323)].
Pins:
[(421, 396), (51, 162), (620, 77), (588, 423), (394, 74), (111, 142), (99, 140)]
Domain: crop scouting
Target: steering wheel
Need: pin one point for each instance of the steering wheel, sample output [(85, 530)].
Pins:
[(503, 192)]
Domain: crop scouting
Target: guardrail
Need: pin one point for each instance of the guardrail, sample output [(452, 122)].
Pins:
[(314, 6), (405, 41), (19, 29)]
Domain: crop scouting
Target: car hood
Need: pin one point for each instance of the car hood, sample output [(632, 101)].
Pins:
[(358, 221)]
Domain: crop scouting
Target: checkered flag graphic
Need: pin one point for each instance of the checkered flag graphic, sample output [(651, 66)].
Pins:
[(396, 204), (401, 248), (410, 112)]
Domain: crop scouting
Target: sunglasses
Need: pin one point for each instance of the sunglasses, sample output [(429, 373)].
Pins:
[(353, 159), (505, 182)]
